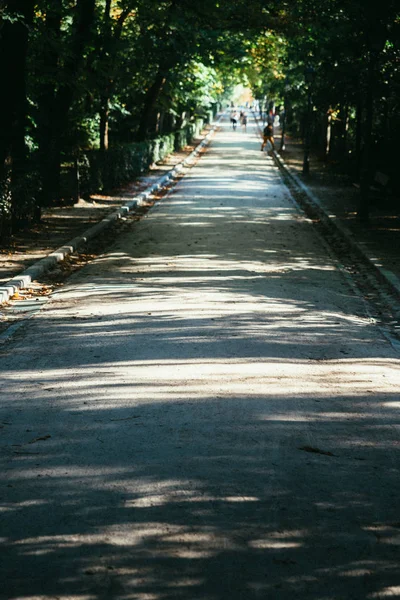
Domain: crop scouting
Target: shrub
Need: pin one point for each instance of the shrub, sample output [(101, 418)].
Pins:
[(120, 164)]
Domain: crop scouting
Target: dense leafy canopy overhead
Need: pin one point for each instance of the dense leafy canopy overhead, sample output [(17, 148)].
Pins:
[(94, 73)]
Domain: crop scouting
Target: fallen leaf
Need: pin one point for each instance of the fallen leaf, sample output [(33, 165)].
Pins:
[(127, 418), (40, 439), (315, 450)]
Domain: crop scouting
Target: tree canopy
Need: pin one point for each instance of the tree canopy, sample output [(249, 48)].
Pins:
[(93, 74)]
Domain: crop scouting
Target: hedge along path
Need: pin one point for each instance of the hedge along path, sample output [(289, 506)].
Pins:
[(122, 164), (27, 277)]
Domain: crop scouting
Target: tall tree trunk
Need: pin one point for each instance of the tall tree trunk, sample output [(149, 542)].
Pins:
[(160, 123), (104, 116), (49, 149), (363, 207), (328, 135), (110, 39), (105, 92), (62, 101), (342, 126), (14, 106), (345, 129), (152, 95), (340, 132), (385, 125), (359, 119)]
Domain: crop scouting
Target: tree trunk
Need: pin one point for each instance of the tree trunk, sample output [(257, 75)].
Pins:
[(385, 125), (14, 109), (49, 150), (60, 104), (150, 102), (105, 93), (328, 134), (359, 118), (160, 124), (342, 130), (284, 124), (108, 52), (180, 120), (345, 129), (104, 116), (363, 208)]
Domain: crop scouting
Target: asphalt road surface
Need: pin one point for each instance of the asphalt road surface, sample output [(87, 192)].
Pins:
[(206, 412)]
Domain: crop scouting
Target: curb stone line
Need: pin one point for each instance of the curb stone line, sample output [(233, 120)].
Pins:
[(390, 278), (24, 279)]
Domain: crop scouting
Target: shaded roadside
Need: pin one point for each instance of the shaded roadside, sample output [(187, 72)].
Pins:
[(339, 197), (62, 223)]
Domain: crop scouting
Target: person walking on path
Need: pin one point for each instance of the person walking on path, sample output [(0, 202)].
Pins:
[(268, 136), (234, 117)]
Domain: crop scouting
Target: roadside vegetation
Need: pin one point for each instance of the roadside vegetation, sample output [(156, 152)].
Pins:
[(95, 91)]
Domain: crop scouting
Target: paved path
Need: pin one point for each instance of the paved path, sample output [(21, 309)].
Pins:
[(206, 412)]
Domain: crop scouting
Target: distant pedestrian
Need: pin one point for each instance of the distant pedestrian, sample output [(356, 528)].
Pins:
[(268, 136), (234, 119), (244, 121)]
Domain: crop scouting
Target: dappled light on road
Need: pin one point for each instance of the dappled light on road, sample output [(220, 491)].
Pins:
[(211, 413)]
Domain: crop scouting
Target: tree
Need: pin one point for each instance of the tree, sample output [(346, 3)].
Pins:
[(62, 52), (14, 34)]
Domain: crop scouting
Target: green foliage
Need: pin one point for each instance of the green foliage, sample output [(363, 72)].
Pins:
[(139, 69), (120, 164)]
